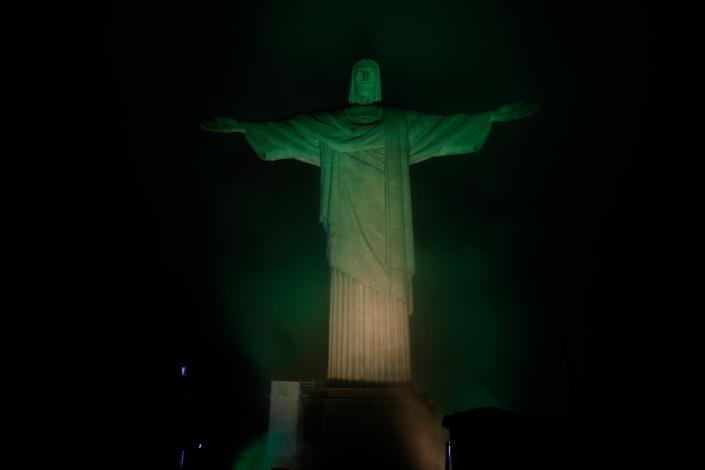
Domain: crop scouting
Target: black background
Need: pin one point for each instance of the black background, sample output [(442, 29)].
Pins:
[(115, 254)]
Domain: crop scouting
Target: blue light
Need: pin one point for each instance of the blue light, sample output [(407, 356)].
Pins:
[(449, 460)]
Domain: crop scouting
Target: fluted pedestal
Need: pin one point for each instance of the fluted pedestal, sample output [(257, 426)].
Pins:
[(368, 341)]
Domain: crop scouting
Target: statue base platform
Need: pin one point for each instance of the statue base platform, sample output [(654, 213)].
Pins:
[(370, 428)]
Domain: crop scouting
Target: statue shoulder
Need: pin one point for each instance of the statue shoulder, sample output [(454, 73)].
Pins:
[(316, 119), (328, 116), (395, 110), (400, 114)]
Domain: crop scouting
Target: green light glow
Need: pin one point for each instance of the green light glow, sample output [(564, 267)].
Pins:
[(279, 319), (254, 456), (366, 211), (468, 318)]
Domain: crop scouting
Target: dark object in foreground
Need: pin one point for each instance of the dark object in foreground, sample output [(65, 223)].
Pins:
[(492, 436)]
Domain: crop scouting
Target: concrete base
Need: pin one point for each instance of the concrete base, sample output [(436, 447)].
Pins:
[(368, 428)]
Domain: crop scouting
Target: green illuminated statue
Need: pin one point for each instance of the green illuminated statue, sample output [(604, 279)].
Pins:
[(364, 151)]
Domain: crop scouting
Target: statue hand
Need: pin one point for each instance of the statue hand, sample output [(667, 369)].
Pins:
[(222, 124), (510, 112)]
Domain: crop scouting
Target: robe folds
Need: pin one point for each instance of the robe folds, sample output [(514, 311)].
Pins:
[(365, 205)]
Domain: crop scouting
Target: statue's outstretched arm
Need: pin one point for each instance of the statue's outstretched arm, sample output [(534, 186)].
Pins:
[(511, 112), (223, 125), (296, 138)]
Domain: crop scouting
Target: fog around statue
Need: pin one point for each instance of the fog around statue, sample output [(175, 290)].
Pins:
[(364, 151)]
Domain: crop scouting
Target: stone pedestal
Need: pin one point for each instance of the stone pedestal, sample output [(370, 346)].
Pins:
[(367, 428)]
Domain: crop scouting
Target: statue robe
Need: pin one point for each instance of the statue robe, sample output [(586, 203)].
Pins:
[(366, 211)]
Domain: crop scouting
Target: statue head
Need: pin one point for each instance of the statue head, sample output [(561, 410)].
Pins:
[(365, 83)]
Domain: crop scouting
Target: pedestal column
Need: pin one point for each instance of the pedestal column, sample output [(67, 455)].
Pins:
[(368, 339)]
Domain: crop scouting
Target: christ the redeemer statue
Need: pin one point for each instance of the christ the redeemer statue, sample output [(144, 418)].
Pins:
[(364, 152)]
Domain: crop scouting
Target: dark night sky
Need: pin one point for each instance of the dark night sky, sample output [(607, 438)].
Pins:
[(128, 237)]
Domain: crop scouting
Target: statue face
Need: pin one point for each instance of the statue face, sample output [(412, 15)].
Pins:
[(365, 82)]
